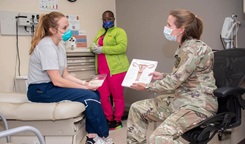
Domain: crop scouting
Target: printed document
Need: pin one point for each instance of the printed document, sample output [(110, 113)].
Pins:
[(139, 71)]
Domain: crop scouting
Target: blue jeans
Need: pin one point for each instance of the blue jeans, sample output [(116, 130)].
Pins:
[(95, 118)]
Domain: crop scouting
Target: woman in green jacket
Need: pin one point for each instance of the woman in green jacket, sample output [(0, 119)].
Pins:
[(109, 46)]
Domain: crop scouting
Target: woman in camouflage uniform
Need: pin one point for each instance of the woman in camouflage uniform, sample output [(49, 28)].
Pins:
[(191, 80)]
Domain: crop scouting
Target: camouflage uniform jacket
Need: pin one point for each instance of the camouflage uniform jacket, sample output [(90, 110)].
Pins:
[(192, 78)]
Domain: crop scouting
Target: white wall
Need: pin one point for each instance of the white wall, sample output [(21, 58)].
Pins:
[(89, 11)]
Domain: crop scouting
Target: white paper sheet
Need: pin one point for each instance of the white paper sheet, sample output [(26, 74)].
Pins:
[(139, 72)]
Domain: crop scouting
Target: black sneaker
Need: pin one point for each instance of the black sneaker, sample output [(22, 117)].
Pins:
[(111, 124), (119, 124), (115, 125), (90, 141)]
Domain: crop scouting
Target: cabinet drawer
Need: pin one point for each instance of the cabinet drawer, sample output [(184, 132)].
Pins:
[(80, 64), (80, 60), (80, 67)]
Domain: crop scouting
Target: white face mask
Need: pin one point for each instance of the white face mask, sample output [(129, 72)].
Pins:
[(167, 33)]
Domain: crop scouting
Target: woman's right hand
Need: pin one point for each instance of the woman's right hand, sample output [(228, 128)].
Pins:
[(156, 75)]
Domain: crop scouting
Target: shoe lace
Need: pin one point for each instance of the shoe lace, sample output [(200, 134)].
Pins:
[(108, 141), (99, 140)]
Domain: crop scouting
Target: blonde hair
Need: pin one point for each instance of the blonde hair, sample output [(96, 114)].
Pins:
[(193, 25), (45, 22)]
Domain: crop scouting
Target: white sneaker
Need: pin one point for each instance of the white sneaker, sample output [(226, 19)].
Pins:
[(99, 140), (108, 141)]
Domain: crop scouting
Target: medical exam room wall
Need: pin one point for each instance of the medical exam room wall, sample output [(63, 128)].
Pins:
[(89, 11), (144, 20)]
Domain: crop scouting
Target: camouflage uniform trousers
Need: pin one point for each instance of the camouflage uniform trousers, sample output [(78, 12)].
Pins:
[(174, 121)]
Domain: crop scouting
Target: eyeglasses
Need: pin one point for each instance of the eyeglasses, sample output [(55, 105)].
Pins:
[(108, 19)]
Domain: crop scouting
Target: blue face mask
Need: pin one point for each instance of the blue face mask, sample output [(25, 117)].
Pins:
[(108, 24), (167, 33), (66, 35)]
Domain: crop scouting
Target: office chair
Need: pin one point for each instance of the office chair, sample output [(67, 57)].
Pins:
[(229, 72), (8, 132)]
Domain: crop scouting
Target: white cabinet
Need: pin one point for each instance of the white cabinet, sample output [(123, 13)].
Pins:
[(81, 63)]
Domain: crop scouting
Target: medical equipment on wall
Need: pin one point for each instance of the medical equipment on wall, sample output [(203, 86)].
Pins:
[(229, 32), (24, 21), (28, 21)]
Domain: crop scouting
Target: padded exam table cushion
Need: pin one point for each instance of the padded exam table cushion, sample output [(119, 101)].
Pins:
[(17, 107)]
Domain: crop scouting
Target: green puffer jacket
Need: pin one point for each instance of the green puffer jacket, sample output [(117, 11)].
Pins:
[(114, 47)]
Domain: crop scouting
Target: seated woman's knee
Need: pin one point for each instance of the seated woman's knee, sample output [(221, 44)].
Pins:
[(94, 95)]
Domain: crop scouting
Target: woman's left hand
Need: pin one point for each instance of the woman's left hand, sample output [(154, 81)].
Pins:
[(138, 86), (93, 88)]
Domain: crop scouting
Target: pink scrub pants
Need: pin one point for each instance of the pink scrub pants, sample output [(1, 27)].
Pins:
[(112, 86)]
